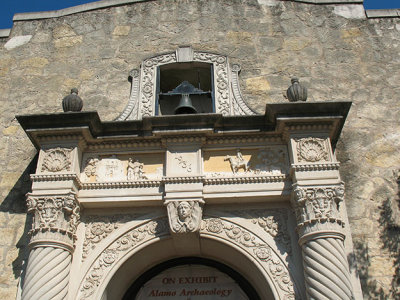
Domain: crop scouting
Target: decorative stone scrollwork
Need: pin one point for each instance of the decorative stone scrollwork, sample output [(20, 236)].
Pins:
[(222, 87), (184, 216), (311, 149), (117, 249), (54, 214), (57, 160), (147, 81), (273, 221), (99, 227), (258, 248)]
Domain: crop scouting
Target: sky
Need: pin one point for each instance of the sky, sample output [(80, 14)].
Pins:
[(10, 7)]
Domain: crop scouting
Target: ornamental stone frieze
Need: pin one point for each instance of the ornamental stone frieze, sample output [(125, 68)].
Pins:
[(55, 218), (311, 150)]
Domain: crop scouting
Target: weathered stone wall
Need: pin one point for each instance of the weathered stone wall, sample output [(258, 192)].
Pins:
[(334, 49)]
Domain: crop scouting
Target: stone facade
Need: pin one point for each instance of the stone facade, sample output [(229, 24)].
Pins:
[(338, 53)]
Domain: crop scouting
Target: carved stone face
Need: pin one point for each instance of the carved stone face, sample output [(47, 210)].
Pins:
[(184, 210)]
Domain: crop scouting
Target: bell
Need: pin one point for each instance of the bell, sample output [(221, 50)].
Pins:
[(185, 106)]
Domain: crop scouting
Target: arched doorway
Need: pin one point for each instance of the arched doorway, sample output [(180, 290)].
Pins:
[(191, 278)]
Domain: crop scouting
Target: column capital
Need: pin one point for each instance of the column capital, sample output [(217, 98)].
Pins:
[(55, 219), (317, 211)]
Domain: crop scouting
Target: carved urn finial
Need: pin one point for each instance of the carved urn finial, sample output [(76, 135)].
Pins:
[(72, 102), (296, 92)]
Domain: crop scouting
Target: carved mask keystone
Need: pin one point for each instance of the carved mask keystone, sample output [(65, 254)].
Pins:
[(184, 216)]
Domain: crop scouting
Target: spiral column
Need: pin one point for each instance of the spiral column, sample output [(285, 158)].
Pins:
[(55, 219), (321, 238)]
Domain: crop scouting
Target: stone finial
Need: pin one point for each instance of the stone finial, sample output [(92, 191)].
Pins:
[(72, 102), (296, 92)]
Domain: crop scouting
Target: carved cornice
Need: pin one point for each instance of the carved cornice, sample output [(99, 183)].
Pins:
[(121, 184), (143, 143), (55, 217), (183, 179), (245, 179), (56, 177), (245, 139), (328, 166)]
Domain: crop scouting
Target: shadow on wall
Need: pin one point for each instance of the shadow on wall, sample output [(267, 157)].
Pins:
[(390, 238), (14, 203)]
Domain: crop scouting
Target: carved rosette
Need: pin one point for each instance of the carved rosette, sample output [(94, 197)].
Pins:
[(184, 216), (57, 160), (311, 150), (55, 218), (317, 209)]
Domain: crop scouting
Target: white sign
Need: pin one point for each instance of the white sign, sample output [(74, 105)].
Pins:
[(191, 282)]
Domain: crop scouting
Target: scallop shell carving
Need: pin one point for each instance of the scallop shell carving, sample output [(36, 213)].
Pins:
[(311, 150), (56, 160)]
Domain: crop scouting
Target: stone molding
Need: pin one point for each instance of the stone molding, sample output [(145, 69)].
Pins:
[(328, 166), (55, 219)]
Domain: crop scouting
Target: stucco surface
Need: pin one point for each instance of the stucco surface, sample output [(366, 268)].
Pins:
[(338, 56)]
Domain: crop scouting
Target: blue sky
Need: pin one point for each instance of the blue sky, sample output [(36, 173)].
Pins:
[(10, 7)]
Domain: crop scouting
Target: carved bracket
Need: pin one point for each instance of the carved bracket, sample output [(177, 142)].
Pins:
[(184, 216)]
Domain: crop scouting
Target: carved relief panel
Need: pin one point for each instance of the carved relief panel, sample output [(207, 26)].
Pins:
[(271, 160), (124, 167), (311, 150), (183, 161), (56, 160)]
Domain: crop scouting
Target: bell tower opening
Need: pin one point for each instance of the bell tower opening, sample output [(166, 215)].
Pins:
[(185, 88)]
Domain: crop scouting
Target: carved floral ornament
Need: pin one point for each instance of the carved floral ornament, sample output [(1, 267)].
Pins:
[(57, 160), (54, 213), (318, 204), (311, 149)]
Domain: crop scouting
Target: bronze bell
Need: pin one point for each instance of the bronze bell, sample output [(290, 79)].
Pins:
[(185, 106)]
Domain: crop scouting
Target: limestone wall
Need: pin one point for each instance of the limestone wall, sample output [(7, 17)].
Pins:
[(336, 51)]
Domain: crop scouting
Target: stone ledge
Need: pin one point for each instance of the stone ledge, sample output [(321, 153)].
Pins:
[(383, 13), (330, 1), (72, 10), (4, 33)]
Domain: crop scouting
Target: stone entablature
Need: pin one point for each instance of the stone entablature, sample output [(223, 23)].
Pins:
[(178, 183)]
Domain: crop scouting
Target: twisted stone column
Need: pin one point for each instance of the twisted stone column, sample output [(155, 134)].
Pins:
[(55, 219), (319, 225)]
